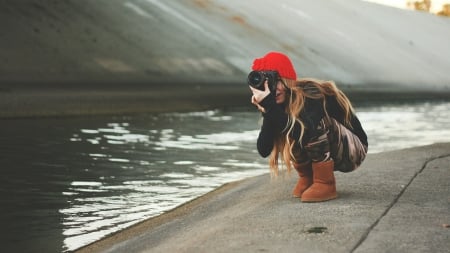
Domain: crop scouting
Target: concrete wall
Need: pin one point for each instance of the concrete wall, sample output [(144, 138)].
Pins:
[(114, 56)]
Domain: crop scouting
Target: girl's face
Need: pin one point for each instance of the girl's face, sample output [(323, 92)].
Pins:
[(280, 95)]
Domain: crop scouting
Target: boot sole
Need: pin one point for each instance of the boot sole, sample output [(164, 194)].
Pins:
[(319, 199)]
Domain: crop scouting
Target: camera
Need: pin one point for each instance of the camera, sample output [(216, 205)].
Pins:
[(256, 79)]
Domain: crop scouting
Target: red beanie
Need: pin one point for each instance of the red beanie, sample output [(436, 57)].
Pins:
[(278, 62)]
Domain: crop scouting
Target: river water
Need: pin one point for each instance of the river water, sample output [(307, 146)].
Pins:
[(67, 182)]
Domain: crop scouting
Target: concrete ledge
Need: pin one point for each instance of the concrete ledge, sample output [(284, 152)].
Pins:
[(88, 99), (111, 98), (396, 202)]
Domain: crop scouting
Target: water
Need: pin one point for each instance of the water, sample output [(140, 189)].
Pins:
[(70, 181)]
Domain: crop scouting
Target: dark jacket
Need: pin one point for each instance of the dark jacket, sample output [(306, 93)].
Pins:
[(275, 120)]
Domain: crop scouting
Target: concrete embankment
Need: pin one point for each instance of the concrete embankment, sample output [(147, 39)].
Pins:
[(91, 57), (395, 202)]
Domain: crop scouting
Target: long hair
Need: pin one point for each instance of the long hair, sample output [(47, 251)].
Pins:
[(297, 91)]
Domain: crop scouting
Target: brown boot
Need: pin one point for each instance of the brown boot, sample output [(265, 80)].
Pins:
[(324, 186), (305, 173)]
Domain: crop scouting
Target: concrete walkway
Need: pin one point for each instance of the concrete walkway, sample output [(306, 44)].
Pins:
[(396, 202)]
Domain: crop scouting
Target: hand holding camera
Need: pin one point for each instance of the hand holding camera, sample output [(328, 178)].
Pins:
[(262, 83), (260, 94)]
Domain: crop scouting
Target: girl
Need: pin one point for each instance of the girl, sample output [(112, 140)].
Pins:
[(309, 124)]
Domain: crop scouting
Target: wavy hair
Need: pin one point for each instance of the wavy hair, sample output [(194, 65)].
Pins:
[(297, 91)]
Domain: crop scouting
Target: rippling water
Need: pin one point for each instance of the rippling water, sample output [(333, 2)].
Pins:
[(159, 162), (68, 182)]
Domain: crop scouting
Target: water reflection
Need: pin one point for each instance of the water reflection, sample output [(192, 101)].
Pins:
[(69, 182)]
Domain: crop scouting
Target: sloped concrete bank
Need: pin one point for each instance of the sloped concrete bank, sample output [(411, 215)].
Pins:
[(91, 57)]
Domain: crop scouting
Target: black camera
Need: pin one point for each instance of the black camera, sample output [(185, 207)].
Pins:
[(256, 79)]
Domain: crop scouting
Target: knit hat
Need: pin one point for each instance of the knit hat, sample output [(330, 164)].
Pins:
[(278, 62)]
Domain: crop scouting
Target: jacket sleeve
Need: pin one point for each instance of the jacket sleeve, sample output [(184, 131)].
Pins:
[(274, 121)]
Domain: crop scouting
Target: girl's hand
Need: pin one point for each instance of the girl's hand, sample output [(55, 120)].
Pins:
[(259, 95)]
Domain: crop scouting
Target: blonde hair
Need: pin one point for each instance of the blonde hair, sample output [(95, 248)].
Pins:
[(299, 90)]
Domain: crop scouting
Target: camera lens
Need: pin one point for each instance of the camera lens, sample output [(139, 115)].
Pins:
[(255, 78)]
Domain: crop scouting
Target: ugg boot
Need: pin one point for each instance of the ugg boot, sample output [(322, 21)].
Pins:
[(305, 173), (324, 183)]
